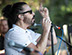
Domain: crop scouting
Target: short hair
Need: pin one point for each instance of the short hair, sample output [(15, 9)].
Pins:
[(3, 19)]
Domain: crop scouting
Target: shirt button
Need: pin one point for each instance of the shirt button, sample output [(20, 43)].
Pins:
[(25, 44), (26, 31)]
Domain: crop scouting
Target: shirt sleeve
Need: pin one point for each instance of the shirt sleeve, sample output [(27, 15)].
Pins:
[(19, 38), (35, 36)]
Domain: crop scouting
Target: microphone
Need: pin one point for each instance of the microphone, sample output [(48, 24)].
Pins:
[(55, 26), (35, 24), (13, 44)]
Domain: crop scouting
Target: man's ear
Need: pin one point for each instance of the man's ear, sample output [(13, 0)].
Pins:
[(20, 16)]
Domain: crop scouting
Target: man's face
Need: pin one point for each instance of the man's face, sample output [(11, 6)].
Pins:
[(4, 26), (29, 16)]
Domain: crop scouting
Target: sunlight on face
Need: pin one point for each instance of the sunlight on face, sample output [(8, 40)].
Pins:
[(4, 26), (28, 17)]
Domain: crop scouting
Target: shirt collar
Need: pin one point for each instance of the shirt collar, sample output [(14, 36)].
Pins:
[(17, 27)]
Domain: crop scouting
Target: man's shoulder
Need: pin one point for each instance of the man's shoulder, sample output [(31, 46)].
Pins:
[(10, 31), (13, 30)]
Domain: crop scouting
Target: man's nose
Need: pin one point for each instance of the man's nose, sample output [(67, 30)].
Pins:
[(33, 13)]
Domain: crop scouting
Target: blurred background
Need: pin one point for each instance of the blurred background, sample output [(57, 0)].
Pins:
[(60, 12)]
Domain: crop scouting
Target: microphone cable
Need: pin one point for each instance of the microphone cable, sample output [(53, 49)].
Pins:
[(60, 41)]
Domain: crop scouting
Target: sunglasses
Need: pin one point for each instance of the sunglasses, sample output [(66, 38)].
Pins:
[(30, 11)]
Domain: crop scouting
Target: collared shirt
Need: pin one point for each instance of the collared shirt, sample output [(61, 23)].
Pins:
[(20, 36)]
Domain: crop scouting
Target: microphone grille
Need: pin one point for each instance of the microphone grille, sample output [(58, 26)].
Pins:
[(35, 24)]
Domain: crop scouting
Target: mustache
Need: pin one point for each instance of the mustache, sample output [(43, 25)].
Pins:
[(34, 20), (33, 17)]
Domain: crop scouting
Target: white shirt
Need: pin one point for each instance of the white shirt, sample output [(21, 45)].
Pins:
[(20, 36)]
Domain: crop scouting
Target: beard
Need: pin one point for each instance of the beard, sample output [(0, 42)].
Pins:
[(29, 21), (4, 32)]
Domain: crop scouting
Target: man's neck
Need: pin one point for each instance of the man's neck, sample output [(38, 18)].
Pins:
[(22, 25)]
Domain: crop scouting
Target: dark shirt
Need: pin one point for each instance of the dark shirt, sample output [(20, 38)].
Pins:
[(1, 42)]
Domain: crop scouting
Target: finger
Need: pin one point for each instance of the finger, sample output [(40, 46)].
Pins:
[(49, 20), (45, 9), (44, 19), (41, 7)]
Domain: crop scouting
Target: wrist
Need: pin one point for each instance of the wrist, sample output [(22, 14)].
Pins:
[(46, 31)]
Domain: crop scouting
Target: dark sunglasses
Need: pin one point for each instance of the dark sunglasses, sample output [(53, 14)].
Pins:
[(30, 11)]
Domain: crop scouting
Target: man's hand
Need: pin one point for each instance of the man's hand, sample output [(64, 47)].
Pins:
[(46, 24), (44, 12)]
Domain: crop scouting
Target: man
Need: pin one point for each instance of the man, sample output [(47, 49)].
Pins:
[(20, 16), (3, 30)]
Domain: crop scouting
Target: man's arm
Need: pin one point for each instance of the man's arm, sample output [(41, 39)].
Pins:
[(54, 38), (45, 14), (49, 39), (41, 45)]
